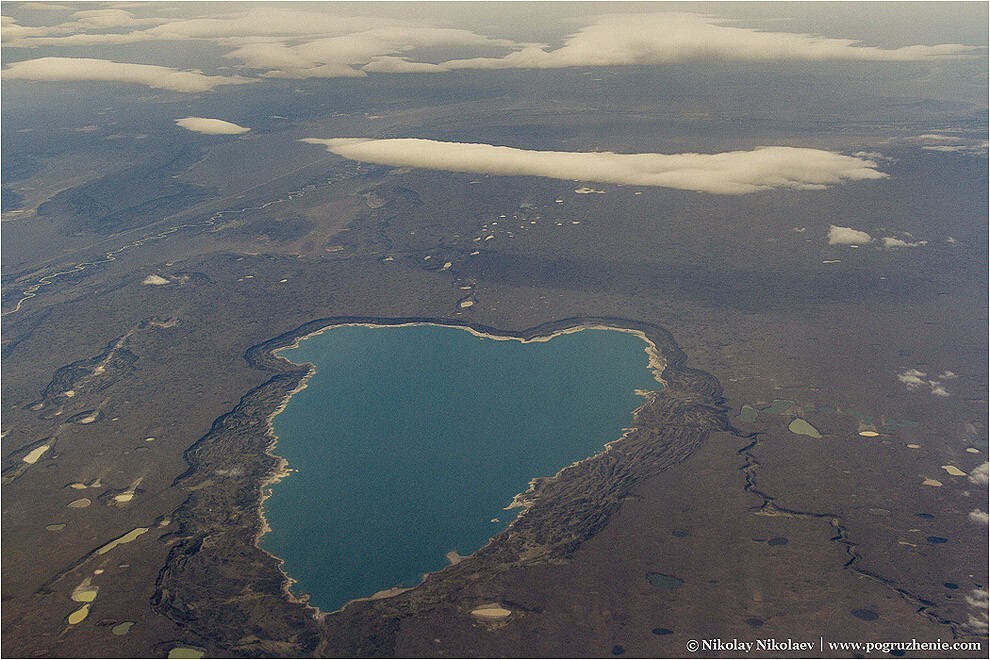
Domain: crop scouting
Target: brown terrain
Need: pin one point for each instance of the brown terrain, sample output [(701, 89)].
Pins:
[(151, 375)]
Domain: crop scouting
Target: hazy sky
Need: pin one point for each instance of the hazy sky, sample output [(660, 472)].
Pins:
[(252, 41), (822, 61)]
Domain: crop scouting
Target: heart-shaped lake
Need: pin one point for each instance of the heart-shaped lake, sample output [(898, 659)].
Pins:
[(408, 442)]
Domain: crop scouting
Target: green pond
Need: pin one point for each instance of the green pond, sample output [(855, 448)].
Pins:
[(801, 427), (409, 441), (664, 581), (748, 414)]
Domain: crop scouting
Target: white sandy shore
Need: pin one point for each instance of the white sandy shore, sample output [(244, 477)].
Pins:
[(281, 471), (656, 362)]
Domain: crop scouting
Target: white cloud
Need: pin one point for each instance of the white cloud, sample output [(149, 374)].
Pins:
[(847, 236), (892, 242), (935, 137), (309, 44), (945, 148), (261, 21), (953, 144), (378, 50), (284, 62), (979, 475), (268, 20), (975, 149), (74, 33), (938, 389), (11, 31), (667, 37), (979, 622), (912, 378), (211, 126), (285, 43), (84, 39), (730, 173), (872, 155), (43, 6), (108, 18), (392, 64), (88, 69), (978, 516)]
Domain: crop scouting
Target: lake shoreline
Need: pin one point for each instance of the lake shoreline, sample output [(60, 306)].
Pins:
[(523, 500)]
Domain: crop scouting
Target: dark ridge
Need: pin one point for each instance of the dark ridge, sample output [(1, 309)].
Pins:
[(119, 361)]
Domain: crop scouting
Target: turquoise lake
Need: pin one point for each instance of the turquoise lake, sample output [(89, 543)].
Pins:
[(409, 441)]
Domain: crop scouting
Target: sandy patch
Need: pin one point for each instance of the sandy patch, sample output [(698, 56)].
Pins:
[(155, 280), (491, 611), (934, 483), (953, 470), (79, 615), (35, 454), (128, 495), (454, 558), (868, 430), (126, 538), (85, 592)]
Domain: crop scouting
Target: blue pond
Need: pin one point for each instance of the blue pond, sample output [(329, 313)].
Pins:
[(408, 441)]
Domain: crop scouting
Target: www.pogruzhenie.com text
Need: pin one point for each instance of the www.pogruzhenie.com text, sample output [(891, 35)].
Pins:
[(822, 645)]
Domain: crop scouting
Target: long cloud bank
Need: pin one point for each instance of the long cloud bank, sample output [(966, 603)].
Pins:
[(729, 173), (669, 37), (284, 42), (89, 69)]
